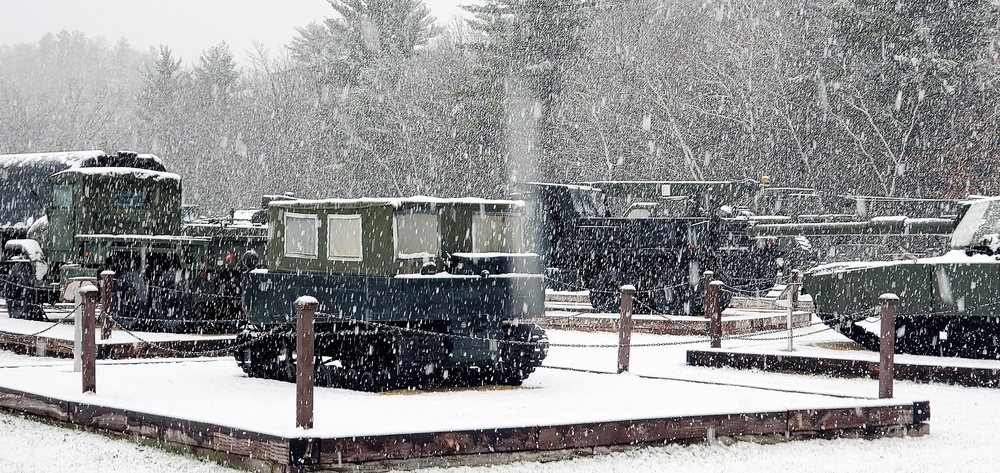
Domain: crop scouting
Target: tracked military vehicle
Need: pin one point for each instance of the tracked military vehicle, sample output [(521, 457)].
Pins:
[(412, 292), (947, 303)]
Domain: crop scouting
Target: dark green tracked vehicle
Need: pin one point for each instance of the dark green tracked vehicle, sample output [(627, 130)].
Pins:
[(412, 292)]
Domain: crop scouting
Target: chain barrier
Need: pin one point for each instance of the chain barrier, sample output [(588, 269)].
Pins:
[(56, 323), (618, 291), (6, 280), (751, 337), (705, 339), (18, 285), (847, 318), (199, 321), (226, 350), (651, 311), (571, 286), (699, 381), (752, 283), (740, 292), (237, 346)]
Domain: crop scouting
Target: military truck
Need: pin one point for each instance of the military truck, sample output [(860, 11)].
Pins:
[(658, 236), (80, 213), (412, 292), (25, 195)]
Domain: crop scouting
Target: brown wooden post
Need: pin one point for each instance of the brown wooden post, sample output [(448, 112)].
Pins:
[(305, 374), (625, 328), (107, 284), (713, 309), (88, 344), (887, 345), (707, 277)]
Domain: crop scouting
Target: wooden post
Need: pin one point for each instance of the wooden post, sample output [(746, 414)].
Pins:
[(88, 344), (887, 345), (305, 374), (707, 277), (713, 309), (625, 328), (107, 285)]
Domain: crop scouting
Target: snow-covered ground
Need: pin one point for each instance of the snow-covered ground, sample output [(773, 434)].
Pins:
[(961, 435)]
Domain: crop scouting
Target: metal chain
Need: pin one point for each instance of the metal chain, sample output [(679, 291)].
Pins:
[(640, 303), (750, 337), (54, 324), (192, 320), (741, 292), (572, 286), (226, 350), (11, 282)]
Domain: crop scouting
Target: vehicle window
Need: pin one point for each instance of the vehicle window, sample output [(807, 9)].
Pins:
[(416, 235), (343, 237), (133, 198), (496, 233), (62, 197), (301, 235), (588, 203)]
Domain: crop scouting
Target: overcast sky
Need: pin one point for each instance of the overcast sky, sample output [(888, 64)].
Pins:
[(187, 26)]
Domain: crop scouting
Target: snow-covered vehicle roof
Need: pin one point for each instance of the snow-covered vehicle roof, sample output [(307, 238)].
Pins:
[(393, 201), (82, 159), (24, 178)]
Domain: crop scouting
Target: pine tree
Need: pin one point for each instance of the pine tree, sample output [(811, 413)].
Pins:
[(212, 113), (365, 31), (358, 59), (526, 46), (216, 77), (162, 103)]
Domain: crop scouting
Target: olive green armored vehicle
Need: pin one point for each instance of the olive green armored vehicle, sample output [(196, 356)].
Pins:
[(948, 303), (412, 292)]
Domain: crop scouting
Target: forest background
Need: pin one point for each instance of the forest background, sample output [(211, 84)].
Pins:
[(869, 97)]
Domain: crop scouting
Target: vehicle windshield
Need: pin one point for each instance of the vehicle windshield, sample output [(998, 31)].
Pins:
[(588, 203)]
